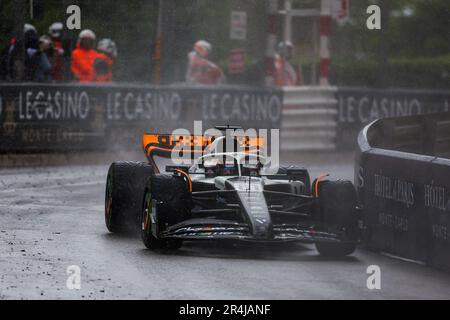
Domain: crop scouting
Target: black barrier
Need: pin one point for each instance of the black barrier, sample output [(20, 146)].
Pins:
[(43, 118), (48, 118), (358, 107), (405, 196)]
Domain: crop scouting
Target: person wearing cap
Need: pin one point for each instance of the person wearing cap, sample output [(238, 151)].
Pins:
[(55, 32), (103, 65), (41, 68), (17, 56), (31, 41), (83, 57), (285, 73), (200, 70)]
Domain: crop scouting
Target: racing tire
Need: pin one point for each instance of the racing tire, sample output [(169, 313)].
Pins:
[(165, 204), (125, 187), (337, 205), (150, 241)]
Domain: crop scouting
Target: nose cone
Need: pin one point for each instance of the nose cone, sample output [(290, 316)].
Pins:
[(253, 204)]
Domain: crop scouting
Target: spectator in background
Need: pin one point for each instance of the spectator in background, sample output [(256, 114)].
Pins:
[(285, 73), (57, 55), (83, 57), (40, 67), (200, 70), (16, 58), (31, 40), (103, 65), (5, 68)]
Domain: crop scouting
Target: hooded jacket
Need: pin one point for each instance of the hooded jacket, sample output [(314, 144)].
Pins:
[(83, 64)]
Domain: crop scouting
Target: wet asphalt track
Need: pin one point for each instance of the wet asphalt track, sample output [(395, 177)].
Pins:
[(51, 218)]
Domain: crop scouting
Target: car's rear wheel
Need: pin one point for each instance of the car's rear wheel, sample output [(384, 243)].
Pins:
[(337, 206), (166, 203), (125, 186)]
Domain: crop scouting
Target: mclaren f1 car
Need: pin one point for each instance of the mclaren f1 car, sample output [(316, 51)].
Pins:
[(227, 196)]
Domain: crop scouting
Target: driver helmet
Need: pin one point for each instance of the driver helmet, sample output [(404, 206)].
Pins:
[(229, 170)]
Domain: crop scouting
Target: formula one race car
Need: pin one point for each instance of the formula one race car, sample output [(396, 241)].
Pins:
[(227, 196)]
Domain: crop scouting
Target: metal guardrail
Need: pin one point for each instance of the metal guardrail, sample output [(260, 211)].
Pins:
[(309, 118), (357, 107), (329, 118)]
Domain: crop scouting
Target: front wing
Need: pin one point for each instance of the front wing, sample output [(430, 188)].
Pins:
[(299, 224)]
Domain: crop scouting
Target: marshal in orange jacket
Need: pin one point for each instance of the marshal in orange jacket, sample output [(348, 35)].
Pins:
[(83, 64)]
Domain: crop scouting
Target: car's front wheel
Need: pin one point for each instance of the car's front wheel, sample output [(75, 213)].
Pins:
[(165, 204), (337, 206), (149, 224)]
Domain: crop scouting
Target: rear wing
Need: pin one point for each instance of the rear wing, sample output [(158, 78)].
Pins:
[(164, 145)]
